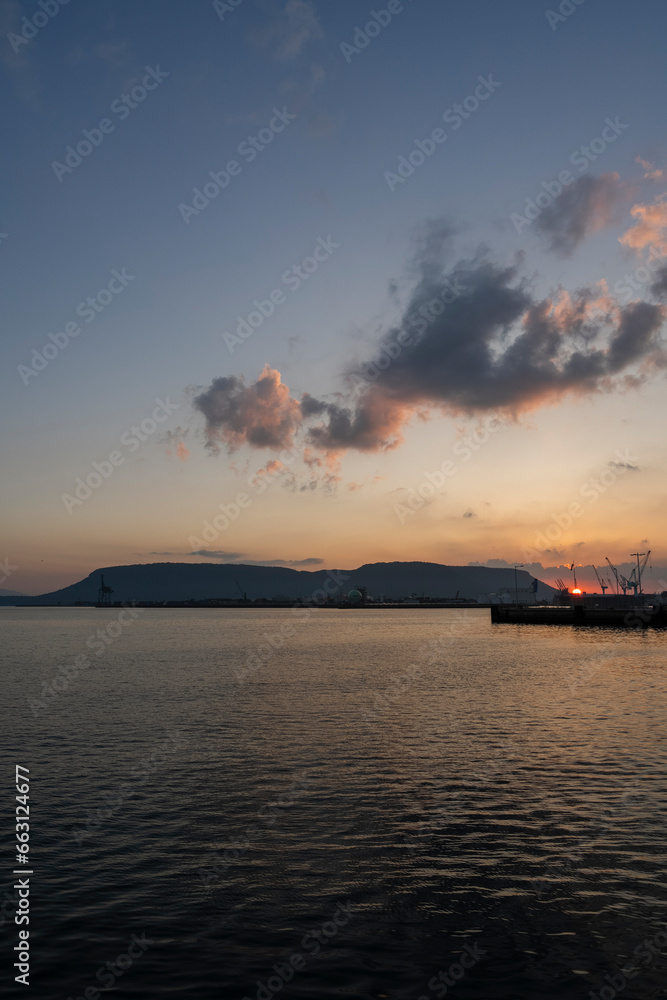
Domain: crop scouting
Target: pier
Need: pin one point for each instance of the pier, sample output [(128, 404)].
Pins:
[(578, 614)]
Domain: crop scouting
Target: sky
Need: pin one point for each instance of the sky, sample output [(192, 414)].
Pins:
[(316, 285)]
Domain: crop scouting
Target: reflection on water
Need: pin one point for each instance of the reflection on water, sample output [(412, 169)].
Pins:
[(361, 804)]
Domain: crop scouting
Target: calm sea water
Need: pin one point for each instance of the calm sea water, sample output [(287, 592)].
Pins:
[(337, 804)]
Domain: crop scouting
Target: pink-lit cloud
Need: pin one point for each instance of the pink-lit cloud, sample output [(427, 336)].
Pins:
[(650, 229)]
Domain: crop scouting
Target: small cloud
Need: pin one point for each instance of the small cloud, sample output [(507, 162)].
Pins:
[(583, 208), (492, 564), (625, 466), (175, 445), (650, 172), (263, 415), (217, 554), (290, 31), (470, 513), (650, 228), (238, 559), (312, 561), (324, 125)]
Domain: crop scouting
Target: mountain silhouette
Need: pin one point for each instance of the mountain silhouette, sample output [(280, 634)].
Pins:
[(203, 581)]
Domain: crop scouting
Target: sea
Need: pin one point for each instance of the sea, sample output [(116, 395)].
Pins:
[(332, 804)]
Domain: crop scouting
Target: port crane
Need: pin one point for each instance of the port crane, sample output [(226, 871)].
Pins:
[(573, 570), (634, 581), (640, 569), (104, 594), (604, 586), (620, 580)]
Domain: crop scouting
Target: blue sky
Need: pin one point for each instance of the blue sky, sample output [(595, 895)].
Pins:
[(321, 177)]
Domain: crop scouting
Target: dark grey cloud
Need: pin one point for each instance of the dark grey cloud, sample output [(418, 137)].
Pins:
[(476, 339), (585, 206), (659, 286)]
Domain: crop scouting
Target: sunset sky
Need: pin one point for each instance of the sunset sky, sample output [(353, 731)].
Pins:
[(474, 196)]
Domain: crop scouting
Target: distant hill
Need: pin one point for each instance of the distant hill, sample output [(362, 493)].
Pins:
[(200, 581), (11, 593)]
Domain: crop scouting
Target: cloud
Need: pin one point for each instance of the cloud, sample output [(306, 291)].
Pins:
[(175, 445), (651, 228), (238, 559), (473, 339), (584, 207), (650, 172), (217, 554), (659, 286), (627, 466), (290, 30), (470, 513), (650, 232), (373, 425), (263, 414), (494, 348), (312, 561)]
